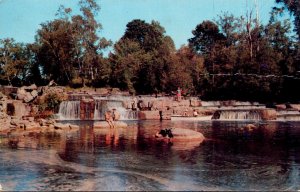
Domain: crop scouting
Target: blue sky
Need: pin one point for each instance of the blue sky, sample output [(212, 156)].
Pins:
[(20, 19)]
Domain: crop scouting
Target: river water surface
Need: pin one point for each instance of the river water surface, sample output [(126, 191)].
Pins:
[(230, 158)]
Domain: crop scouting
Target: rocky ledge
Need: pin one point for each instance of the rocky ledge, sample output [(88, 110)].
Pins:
[(104, 124), (180, 134)]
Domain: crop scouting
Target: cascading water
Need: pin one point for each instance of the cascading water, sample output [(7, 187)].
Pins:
[(101, 106), (69, 110), (72, 110), (288, 115), (237, 115)]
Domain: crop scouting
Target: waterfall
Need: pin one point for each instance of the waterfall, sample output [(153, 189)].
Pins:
[(69, 110), (237, 115), (288, 118), (95, 110), (101, 106), (288, 115)]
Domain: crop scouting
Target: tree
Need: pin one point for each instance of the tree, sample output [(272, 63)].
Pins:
[(149, 36), (56, 50), (70, 48), (91, 45), (127, 59), (294, 7), (277, 34), (14, 62), (185, 70), (140, 57), (242, 57), (206, 36)]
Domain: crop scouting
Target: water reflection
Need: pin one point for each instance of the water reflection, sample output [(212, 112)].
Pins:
[(231, 158)]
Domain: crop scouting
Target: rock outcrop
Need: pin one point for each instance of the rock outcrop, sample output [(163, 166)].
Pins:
[(27, 94), (268, 114), (104, 124), (180, 134)]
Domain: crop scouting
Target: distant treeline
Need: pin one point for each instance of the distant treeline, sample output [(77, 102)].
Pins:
[(228, 58)]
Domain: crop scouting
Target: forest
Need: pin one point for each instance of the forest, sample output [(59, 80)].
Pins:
[(227, 58)]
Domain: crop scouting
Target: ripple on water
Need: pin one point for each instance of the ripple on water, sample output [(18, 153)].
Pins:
[(135, 161)]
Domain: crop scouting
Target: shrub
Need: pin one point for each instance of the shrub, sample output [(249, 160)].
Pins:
[(52, 101)]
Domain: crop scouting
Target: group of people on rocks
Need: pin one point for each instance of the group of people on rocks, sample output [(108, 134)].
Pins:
[(195, 113), (111, 116)]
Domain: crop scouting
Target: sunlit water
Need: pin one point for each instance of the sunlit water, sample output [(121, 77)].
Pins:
[(267, 158)]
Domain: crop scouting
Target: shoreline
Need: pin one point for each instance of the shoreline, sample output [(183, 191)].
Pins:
[(27, 111)]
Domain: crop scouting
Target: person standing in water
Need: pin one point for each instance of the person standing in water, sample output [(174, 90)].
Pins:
[(178, 94), (195, 113), (116, 115), (109, 119)]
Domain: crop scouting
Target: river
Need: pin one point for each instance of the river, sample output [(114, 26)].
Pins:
[(230, 158)]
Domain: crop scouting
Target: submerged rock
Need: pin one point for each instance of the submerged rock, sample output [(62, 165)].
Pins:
[(250, 127), (179, 134), (104, 124)]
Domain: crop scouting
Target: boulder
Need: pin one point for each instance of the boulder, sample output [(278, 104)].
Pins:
[(281, 107), (21, 93), (28, 118), (180, 134), (74, 126), (184, 103), (43, 122), (296, 106), (17, 109), (52, 83), (195, 103), (104, 124), (31, 87), (158, 105), (34, 93), (250, 127), (102, 91), (14, 122), (50, 121), (185, 111), (32, 125), (116, 91), (28, 97), (61, 126), (268, 114), (58, 128), (153, 115)]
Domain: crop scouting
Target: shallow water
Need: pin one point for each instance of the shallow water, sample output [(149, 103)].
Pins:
[(230, 158)]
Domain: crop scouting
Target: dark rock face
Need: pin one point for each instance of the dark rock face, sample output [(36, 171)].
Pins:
[(87, 107)]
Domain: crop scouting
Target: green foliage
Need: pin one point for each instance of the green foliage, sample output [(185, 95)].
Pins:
[(230, 58), (140, 58), (293, 7), (245, 60), (51, 102), (69, 47), (15, 62), (77, 82), (206, 37)]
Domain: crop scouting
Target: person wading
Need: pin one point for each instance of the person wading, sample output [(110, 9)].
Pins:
[(109, 119), (116, 115)]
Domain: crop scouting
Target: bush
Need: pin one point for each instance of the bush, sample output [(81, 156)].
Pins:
[(50, 102), (53, 101), (77, 82)]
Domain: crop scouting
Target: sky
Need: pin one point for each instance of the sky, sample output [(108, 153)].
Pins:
[(20, 19)]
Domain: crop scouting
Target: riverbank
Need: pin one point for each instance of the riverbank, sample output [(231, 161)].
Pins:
[(26, 109)]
